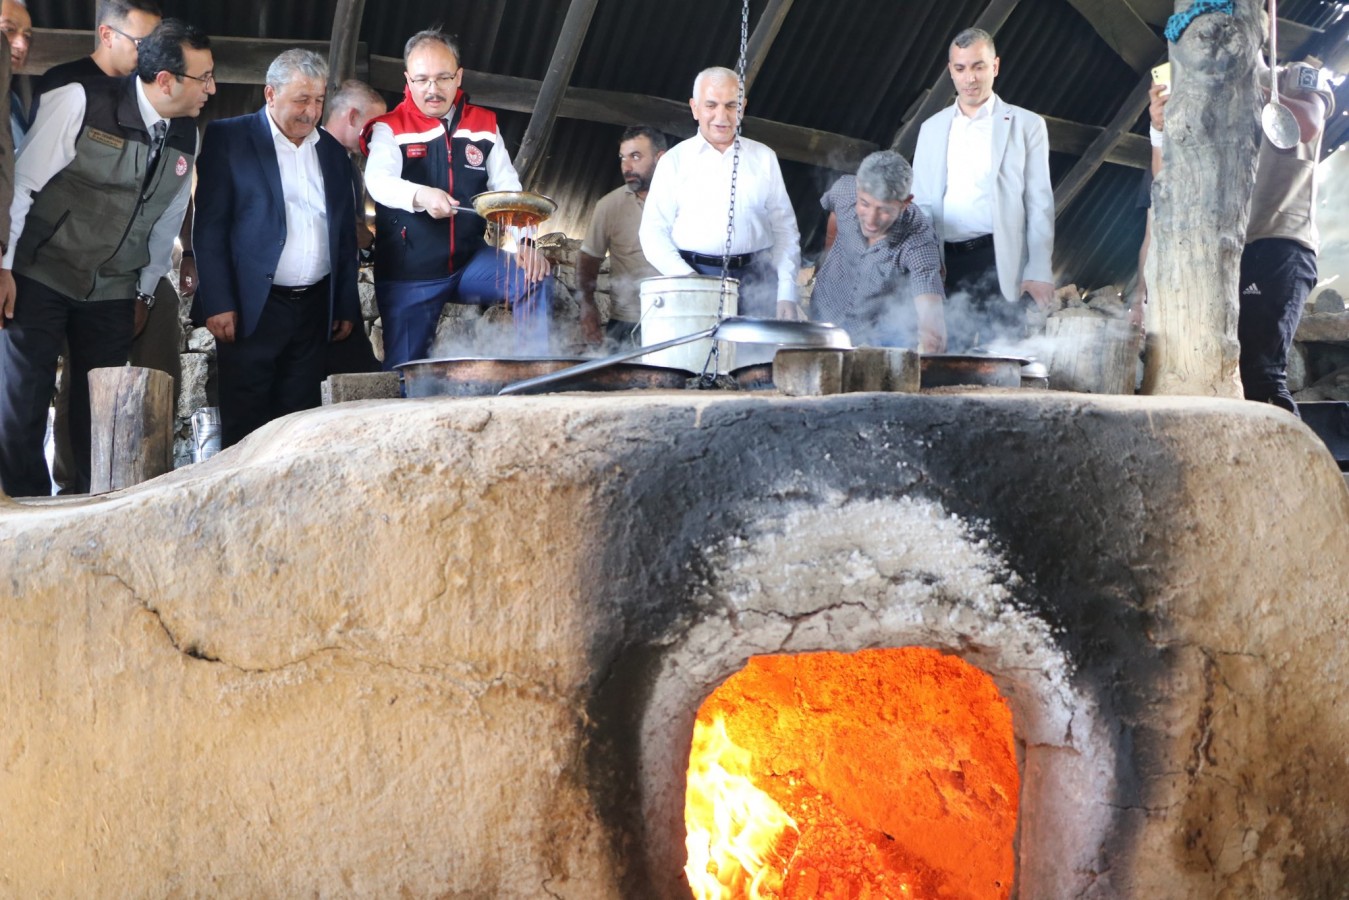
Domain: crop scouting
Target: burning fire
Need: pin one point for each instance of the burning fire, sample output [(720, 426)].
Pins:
[(733, 827)]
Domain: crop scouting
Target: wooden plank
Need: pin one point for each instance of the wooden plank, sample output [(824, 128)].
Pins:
[(1095, 154), (237, 60), (554, 88), (761, 40), (342, 46), (1124, 31), (942, 92)]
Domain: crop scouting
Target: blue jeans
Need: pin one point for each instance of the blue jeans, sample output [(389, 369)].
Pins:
[(410, 310)]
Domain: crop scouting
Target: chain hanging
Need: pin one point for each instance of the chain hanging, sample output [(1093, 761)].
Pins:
[(709, 373)]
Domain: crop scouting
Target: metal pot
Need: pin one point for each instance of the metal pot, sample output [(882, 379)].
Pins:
[(947, 369), (502, 206), (475, 376)]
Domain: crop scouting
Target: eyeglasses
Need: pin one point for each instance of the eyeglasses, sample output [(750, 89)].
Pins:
[(207, 79), (134, 40), (421, 82)]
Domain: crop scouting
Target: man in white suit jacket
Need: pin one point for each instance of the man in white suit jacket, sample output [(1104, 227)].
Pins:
[(981, 173)]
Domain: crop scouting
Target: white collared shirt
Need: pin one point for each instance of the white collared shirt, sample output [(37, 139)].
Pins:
[(689, 200), (967, 209), (304, 258), (49, 147)]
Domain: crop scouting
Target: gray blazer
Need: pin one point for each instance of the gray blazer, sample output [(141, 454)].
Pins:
[(1023, 198)]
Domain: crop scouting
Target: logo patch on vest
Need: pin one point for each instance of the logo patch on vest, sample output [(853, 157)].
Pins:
[(107, 140), (180, 167), (416, 151), (473, 155)]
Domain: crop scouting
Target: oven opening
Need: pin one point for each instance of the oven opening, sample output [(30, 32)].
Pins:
[(881, 773)]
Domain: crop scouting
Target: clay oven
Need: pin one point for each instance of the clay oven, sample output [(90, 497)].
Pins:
[(457, 647)]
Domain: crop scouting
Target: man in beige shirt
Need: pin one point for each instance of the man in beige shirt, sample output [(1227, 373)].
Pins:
[(613, 230)]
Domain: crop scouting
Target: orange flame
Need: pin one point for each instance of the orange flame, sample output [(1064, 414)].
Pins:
[(732, 826)]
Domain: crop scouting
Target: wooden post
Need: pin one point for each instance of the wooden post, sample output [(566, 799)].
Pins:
[(131, 430), (1201, 202), (555, 83)]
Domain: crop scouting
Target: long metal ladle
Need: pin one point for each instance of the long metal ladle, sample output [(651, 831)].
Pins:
[(737, 329), (1281, 128)]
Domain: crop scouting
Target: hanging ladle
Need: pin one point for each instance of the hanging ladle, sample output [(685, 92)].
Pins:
[(1281, 128), (736, 329)]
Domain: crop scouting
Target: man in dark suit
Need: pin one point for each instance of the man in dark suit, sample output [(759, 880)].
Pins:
[(276, 250)]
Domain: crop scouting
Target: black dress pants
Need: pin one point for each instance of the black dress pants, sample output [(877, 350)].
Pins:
[(977, 314), (276, 370), (98, 333)]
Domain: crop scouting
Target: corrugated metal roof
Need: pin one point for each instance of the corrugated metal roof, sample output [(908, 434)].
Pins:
[(853, 68)]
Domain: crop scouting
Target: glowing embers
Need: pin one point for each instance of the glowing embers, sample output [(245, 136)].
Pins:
[(884, 773)]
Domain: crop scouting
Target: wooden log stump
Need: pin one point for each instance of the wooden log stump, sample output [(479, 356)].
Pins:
[(131, 426), (1093, 354)]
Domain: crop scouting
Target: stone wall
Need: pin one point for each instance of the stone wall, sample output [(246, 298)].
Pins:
[(454, 647)]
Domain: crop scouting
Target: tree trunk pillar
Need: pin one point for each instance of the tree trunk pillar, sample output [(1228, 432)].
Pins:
[(1201, 201)]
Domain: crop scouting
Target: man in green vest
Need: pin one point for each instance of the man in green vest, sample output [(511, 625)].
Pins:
[(100, 191)]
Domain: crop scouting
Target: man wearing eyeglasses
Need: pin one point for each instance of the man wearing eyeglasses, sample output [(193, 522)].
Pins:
[(428, 157), (99, 194), (122, 25)]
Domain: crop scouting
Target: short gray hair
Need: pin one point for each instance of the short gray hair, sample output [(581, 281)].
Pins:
[(353, 94), (886, 176), (714, 73), (971, 36), (296, 61), (432, 36)]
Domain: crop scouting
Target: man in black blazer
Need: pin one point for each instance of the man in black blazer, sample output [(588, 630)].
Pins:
[(275, 247)]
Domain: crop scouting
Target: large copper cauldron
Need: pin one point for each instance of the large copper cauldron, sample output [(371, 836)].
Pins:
[(476, 376)]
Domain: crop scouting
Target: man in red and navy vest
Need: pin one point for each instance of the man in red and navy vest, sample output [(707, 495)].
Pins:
[(427, 157)]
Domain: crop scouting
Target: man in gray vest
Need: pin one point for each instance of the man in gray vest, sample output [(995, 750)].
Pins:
[(100, 192)]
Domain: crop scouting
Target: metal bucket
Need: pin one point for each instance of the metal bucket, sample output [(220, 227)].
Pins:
[(205, 433), (676, 305)]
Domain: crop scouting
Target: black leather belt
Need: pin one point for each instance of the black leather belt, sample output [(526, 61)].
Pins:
[(738, 261), (979, 243), (294, 293)]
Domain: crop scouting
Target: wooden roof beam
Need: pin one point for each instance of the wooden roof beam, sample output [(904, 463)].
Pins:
[(1124, 30), (761, 40), (345, 39), (1095, 154), (237, 60), (554, 87), (790, 142)]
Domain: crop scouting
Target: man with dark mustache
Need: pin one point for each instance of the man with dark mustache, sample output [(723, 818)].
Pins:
[(428, 157), (614, 230), (276, 248)]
